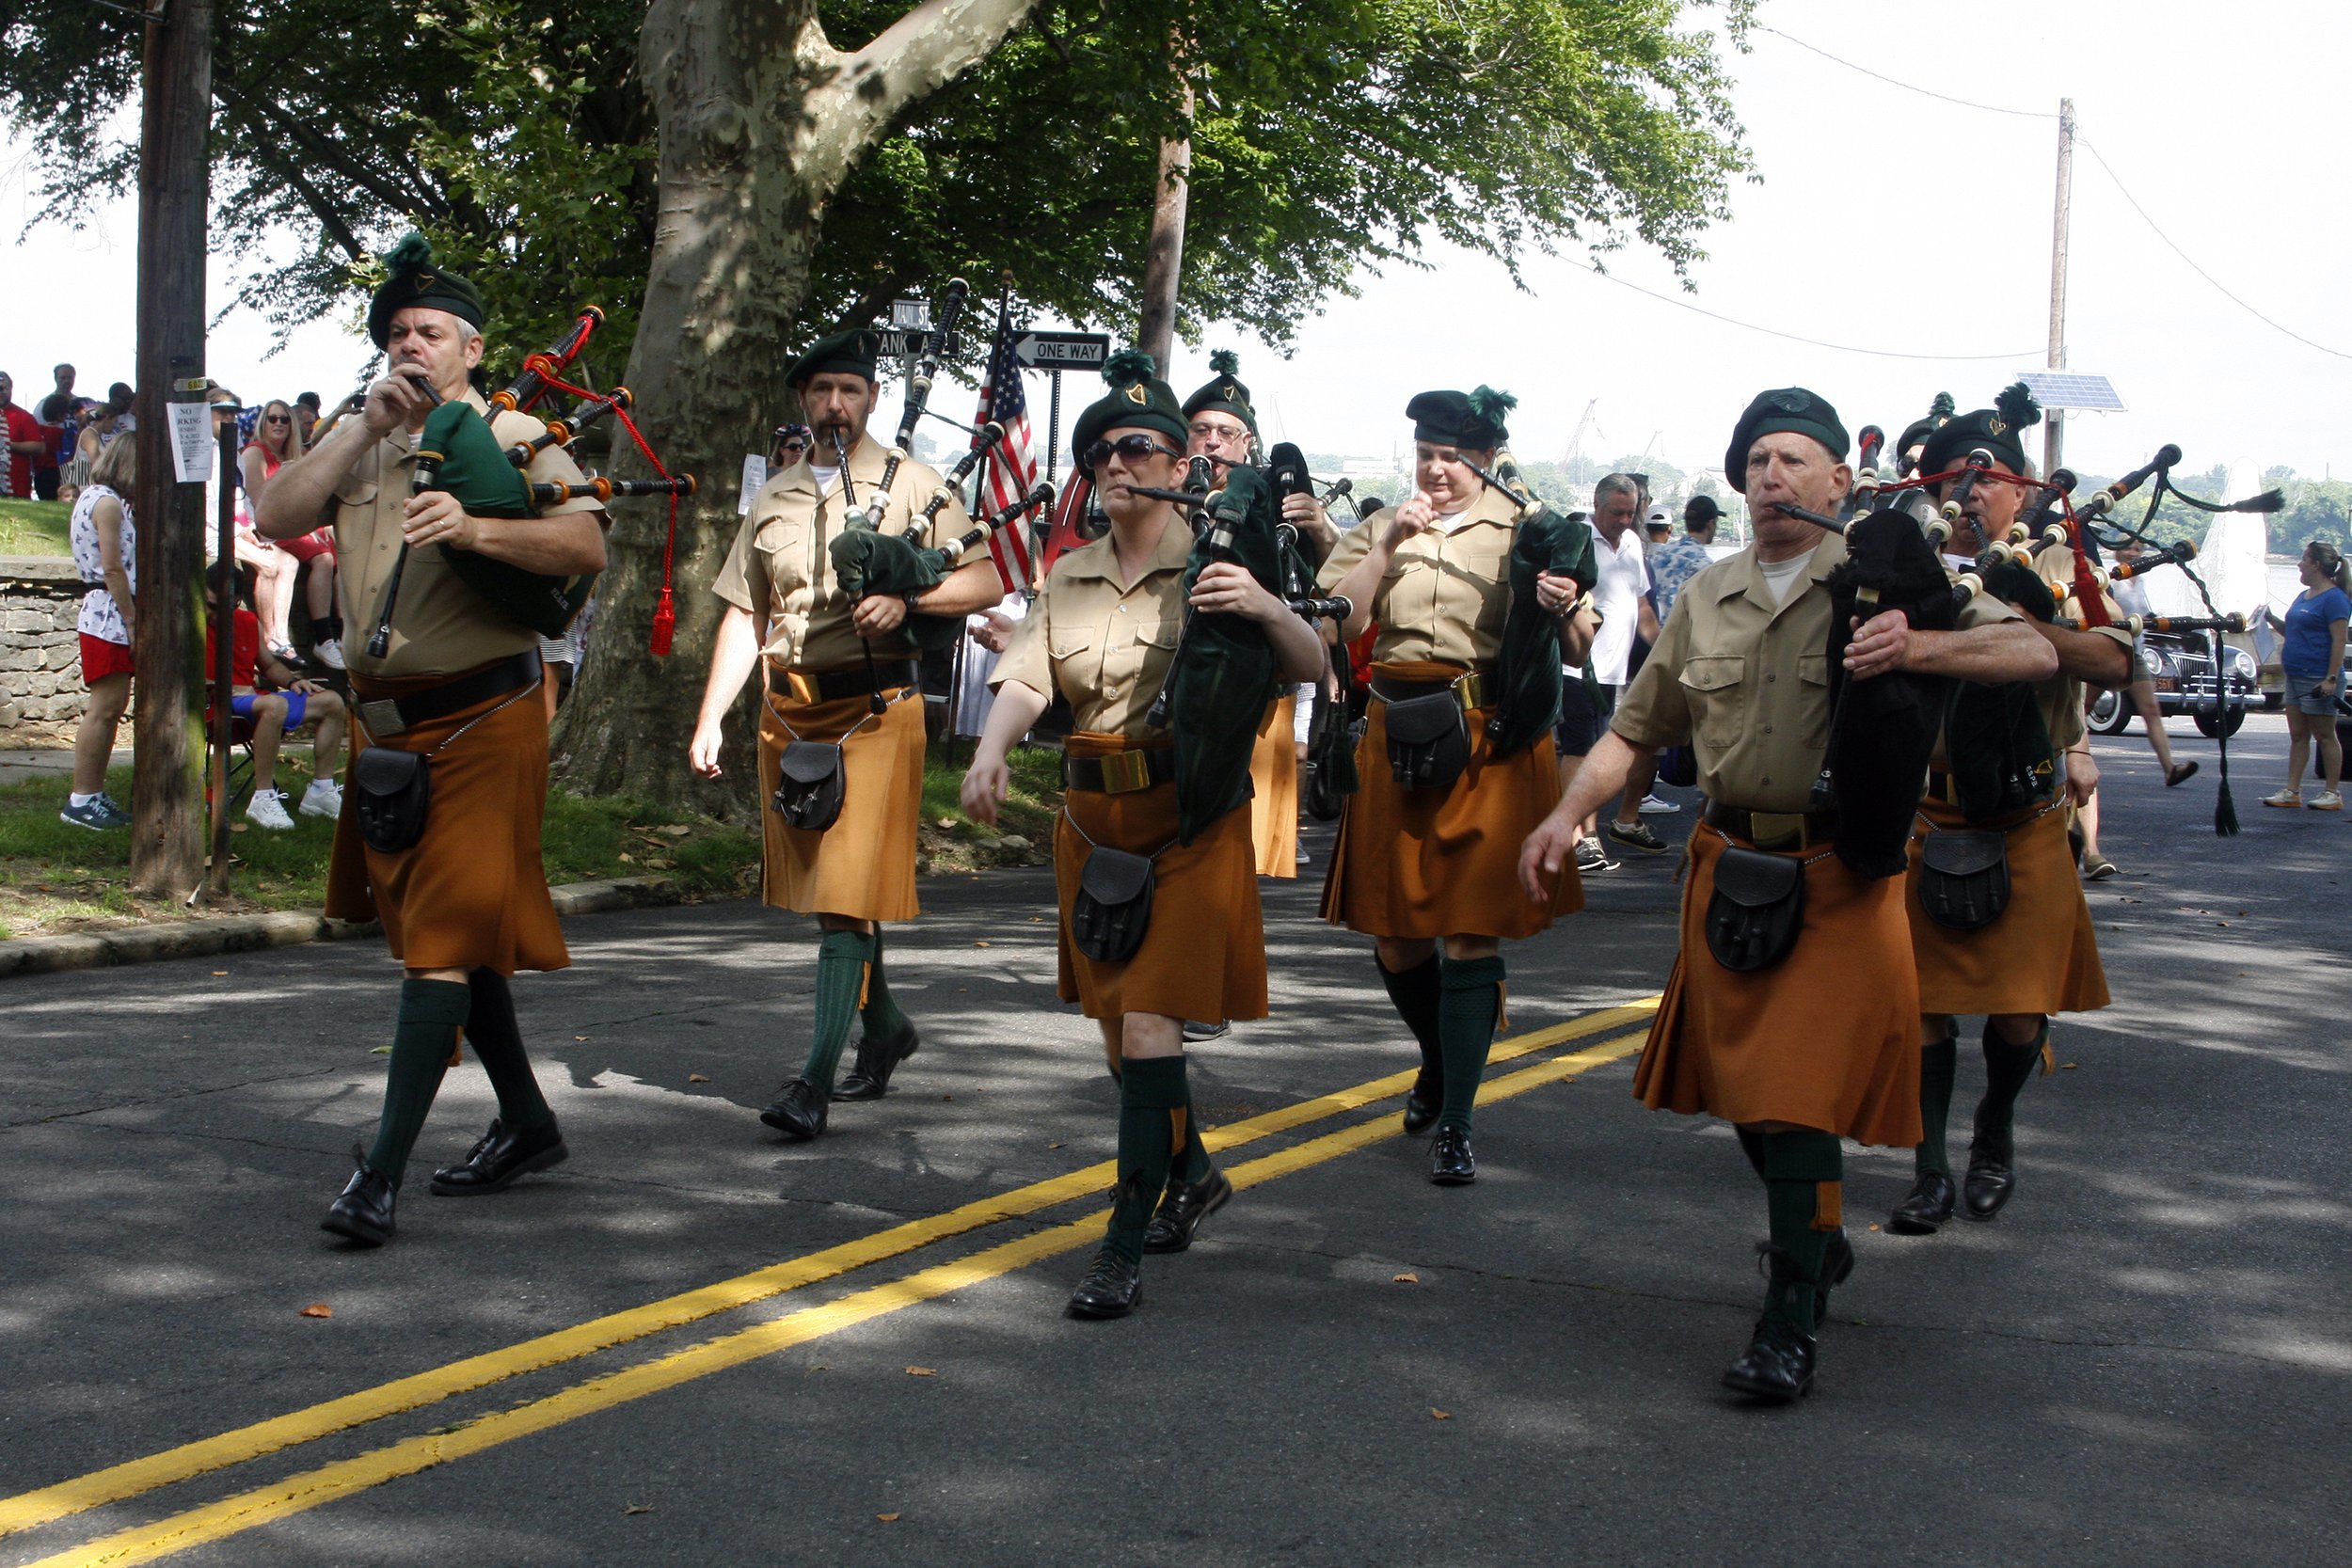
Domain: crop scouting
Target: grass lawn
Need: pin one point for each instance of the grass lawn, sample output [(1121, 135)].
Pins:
[(34, 528), (56, 877)]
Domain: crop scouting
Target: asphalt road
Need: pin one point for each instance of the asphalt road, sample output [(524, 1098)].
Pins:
[(2147, 1359)]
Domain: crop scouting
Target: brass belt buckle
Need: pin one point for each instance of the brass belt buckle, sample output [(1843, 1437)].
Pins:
[(801, 685), (1124, 772), (1777, 827), (1471, 690), (381, 714)]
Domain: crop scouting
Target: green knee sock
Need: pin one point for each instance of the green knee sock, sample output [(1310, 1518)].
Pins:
[(2006, 1070), (1938, 1066), (497, 1044), (879, 1017), (431, 1012), (1804, 1176), (1471, 1000), (842, 963), (1414, 993), (1153, 1122), (1192, 1159)]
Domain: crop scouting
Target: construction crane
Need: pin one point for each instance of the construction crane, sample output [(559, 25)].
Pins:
[(1576, 442)]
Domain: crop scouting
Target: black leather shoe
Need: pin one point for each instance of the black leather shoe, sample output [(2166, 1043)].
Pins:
[(876, 1061), (1992, 1179), (1926, 1207), (499, 1158), (1422, 1101), (1836, 1264), (1451, 1163), (1182, 1209), (1776, 1366), (364, 1212), (799, 1112), (1111, 1288)]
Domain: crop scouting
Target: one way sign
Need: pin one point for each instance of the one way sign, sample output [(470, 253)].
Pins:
[(1062, 351)]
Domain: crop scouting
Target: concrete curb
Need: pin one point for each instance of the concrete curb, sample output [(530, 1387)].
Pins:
[(246, 933)]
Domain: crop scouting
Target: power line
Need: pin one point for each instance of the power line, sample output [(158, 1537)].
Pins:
[(2192, 264), (1800, 338), (1907, 87)]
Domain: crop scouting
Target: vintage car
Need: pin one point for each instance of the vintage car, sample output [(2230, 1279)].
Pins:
[(2181, 667)]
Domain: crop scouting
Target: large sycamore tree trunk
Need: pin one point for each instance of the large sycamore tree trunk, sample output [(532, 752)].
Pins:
[(761, 119)]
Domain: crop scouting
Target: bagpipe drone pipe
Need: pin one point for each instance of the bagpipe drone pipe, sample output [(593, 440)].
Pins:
[(458, 453), (1527, 674)]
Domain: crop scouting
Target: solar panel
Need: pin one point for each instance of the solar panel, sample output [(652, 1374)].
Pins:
[(2067, 390)]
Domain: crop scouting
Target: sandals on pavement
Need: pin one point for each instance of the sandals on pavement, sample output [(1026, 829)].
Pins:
[(2179, 773)]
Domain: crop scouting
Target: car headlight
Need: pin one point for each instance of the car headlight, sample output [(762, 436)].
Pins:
[(2149, 662), (2242, 663)]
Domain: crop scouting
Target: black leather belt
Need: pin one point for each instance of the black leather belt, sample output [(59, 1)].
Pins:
[(1470, 690), (831, 686), (390, 716), (1120, 773), (1774, 830)]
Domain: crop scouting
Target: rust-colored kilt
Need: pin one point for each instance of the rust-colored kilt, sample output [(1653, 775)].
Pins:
[(1827, 1038), (863, 866), (1203, 956), (1422, 863), (2040, 956), (472, 892), (1274, 786)]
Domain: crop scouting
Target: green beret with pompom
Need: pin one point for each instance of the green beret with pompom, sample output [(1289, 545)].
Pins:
[(1999, 430), (1138, 399), (1473, 419), (411, 279), (1223, 392)]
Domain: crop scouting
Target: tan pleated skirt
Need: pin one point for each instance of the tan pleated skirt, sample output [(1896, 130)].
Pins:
[(1203, 956), (2040, 956), (863, 866), (1828, 1038), (1274, 783), (1427, 862)]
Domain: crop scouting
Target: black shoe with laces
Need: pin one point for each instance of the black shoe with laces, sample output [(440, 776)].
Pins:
[(1451, 1163), (364, 1212), (1927, 1208), (1777, 1364), (1111, 1288), (799, 1110), (499, 1158), (1182, 1209), (1422, 1101), (870, 1078), (1991, 1180)]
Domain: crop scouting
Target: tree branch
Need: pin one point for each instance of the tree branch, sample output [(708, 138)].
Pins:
[(912, 58)]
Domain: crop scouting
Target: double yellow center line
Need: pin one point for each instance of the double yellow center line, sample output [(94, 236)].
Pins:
[(308, 1490)]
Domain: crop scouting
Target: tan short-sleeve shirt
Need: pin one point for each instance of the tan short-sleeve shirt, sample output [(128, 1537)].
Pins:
[(1100, 642), (1446, 594), (780, 569), (440, 626)]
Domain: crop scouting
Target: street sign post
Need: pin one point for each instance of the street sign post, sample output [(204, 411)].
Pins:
[(1062, 351)]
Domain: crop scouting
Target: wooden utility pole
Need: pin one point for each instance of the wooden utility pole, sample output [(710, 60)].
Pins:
[(167, 736), (1164, 256), (2053, 426)]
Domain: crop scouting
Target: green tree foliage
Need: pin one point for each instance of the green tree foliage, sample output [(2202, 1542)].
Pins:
[(1329, 135)]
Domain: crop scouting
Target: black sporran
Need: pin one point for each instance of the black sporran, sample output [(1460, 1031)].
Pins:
[(1113, 910), (1428, 741), (1756, 911), (394, 791), (1963, 878), (810, 786)]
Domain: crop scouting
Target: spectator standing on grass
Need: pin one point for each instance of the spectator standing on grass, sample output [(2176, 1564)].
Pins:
[(27, 444), (56, 412), (276, 714), (2314, 658), (106, 554), (100, 423)]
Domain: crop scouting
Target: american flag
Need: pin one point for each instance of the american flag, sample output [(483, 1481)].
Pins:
[(1011, 471)]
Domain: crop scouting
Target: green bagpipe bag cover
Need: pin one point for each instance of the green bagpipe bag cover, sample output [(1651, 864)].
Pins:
[(1998, 745), (1224, 675), (1526, 700), (475, 470), (867, 561)]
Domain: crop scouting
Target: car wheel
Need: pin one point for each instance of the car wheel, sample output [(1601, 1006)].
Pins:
[(2110, 714), (2213, 727)]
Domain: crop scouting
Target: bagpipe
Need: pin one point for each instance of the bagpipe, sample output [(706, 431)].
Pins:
[(457, 452), (1529, 679)]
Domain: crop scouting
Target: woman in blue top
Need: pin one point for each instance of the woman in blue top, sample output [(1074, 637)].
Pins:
[(2314, 666)]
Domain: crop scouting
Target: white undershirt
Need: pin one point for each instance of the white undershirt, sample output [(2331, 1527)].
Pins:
[(1781, 577), (826, 479)]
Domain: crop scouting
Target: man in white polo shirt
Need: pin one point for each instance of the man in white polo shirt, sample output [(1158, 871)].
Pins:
[(1621, 596)]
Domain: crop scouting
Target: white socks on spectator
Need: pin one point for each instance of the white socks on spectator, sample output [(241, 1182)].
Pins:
[(76, 797)]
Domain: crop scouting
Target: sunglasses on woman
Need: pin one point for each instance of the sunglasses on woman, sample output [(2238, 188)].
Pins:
[(1133, 447), (275, 418)]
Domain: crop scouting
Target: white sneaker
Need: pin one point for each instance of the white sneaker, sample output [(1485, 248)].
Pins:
[(330, 653), (268, 809), (325, 798), (1653, 806)]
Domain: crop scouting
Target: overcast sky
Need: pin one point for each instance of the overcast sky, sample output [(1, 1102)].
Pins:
[(1885, 220)]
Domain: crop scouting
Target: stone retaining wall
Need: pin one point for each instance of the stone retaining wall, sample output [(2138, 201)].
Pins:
[(41, 695)]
